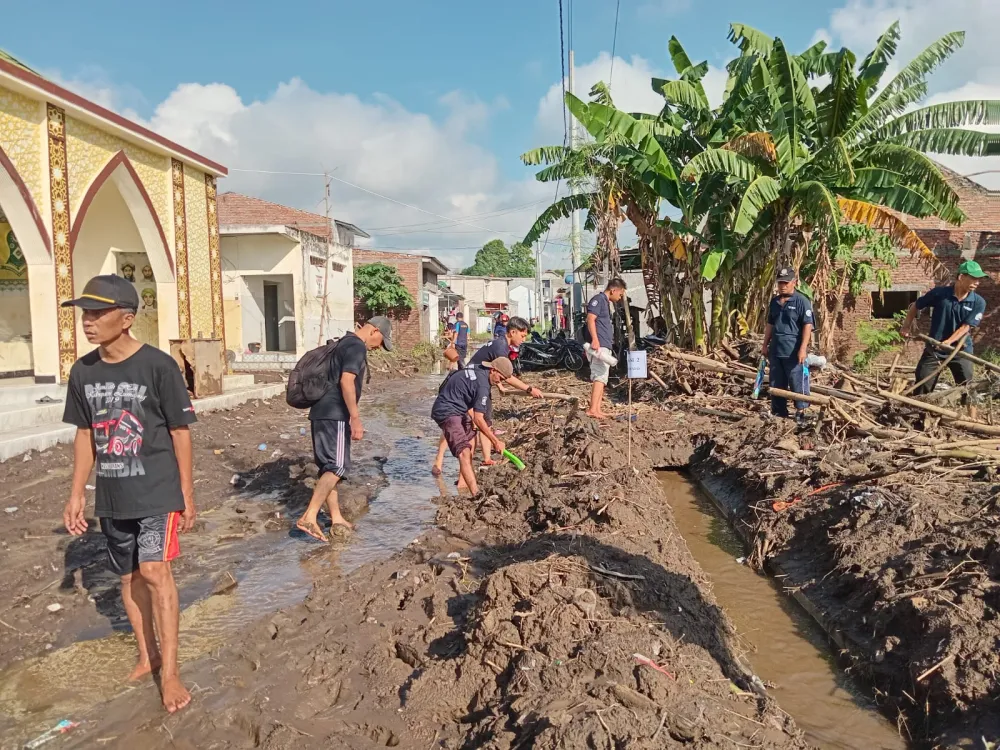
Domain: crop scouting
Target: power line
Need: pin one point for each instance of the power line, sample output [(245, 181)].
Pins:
[(614, 43), (562, 64), (379, 195)]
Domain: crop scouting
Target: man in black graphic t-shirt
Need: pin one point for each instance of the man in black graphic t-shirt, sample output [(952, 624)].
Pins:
[(132, 411)]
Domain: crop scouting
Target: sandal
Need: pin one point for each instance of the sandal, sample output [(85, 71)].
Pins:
[(312, 529)]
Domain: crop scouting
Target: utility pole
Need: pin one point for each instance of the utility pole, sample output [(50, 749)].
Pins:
[(326, 257), (574, 236)]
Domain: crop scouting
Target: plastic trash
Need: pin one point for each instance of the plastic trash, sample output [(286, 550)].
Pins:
[(816, 361), (62, 727), (262, 447), (606, 357), (302, 430), (11, 510)]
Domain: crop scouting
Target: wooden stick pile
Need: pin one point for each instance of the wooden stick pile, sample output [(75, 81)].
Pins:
[(849, 404)]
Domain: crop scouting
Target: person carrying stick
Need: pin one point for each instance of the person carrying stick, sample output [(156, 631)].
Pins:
[(955, 311)]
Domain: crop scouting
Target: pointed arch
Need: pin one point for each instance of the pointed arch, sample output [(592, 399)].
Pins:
[(23, 214), (120, 171)]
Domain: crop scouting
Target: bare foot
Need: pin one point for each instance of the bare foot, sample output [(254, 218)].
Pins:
[(342, 522), (143, 668), (489, 462), (311, 528), (597, 414), (175, 695)]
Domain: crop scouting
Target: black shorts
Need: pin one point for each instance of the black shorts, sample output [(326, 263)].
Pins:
[(463, 352), (137, 540), (332, 446)]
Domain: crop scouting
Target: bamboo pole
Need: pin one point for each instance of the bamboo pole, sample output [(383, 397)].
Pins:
[(919, 404), (808, 398), (977, 427), (962, 355)]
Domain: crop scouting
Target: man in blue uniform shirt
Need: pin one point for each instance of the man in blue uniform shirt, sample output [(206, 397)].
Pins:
[(957, 309), (790, 323)]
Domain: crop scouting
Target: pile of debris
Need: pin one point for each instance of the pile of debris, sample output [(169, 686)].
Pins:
[(924, 432)]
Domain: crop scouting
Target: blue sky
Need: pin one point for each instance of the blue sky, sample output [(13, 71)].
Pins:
[(427, 101)]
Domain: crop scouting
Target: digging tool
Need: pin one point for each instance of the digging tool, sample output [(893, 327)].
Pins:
[(518, 463), (759, 382), (961, 355)]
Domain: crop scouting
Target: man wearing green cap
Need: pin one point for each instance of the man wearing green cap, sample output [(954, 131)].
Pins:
[(956, 310)]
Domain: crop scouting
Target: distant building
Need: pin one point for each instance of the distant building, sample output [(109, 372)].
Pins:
[(421, 275), (485, 296), (278, 263)]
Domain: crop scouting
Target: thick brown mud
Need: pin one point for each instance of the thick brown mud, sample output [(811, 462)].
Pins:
[(558, 608), (785, 647)]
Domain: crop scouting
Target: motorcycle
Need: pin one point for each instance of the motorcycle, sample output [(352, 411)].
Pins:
[(539, 353)]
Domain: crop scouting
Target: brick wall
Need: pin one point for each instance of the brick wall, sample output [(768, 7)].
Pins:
[(977, 239), (407, 330)]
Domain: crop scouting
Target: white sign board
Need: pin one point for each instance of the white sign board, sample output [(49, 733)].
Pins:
[(637, 365)]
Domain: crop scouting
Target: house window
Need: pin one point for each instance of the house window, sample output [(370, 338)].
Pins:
[(888, 303)]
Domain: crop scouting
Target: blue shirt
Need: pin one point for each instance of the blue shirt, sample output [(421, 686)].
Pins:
[(500, 330), (950, 313), (600, 306), (496, 348), (462, 329), (468, 388), (788, 320)]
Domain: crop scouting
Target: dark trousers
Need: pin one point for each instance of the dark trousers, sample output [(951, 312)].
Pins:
[(786, 373), (961, 370)]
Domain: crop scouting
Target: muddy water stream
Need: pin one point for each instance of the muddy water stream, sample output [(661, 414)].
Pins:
[(786, 647), (273, 570)]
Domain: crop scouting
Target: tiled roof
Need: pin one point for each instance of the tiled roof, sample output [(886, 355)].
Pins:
[(242, 210), (5, 55)]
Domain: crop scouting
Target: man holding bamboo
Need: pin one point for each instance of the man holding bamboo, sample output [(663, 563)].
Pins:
[(790, 324), (955, 311)]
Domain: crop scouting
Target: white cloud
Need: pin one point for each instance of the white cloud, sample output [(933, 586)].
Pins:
[(631, 90), (375, 143), (971, 73)]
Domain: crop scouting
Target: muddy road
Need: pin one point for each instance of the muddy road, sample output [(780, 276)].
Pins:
[(559, 608), (243, 560)]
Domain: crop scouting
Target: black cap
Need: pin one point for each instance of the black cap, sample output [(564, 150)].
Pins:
[(786, 273), (104, 292)]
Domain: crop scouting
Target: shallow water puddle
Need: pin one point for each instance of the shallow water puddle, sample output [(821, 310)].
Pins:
[(276, 570), (788, 648)]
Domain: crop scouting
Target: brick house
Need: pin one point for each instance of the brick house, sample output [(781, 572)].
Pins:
[(977, 239), (420, 275)]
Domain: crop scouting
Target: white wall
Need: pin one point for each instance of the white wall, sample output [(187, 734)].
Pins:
[(522, 301)]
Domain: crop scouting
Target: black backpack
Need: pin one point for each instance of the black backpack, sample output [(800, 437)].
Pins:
[(310, 380)]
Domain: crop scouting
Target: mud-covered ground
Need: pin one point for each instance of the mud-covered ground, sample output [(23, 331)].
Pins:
[(905, 568), (260, 450), (558, 608)]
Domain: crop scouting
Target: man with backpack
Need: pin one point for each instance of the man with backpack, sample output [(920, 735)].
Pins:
[(336, 420)]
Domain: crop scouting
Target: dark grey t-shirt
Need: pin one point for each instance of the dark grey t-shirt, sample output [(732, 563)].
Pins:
[(351, 355), (600, 306), (130, 407), (468, 388)]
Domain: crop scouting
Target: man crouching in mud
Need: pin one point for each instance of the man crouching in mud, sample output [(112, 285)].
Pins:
[(336, 421), (461, 407), (131, 409)]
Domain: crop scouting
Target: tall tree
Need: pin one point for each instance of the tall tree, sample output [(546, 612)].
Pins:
[(496, 259)]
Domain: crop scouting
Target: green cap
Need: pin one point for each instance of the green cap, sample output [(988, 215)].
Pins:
[(973, 269)]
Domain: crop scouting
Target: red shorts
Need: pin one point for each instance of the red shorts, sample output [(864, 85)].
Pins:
[(137, 540)]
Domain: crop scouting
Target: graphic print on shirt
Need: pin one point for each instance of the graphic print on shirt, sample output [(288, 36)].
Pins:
[(117, 424)]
